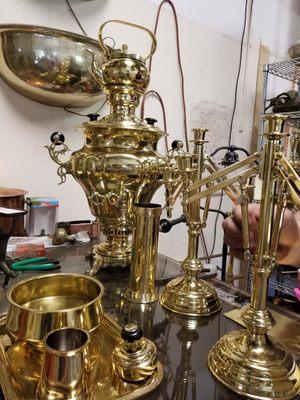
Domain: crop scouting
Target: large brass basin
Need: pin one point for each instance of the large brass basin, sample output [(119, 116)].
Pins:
[(49, 65), (41, 304)]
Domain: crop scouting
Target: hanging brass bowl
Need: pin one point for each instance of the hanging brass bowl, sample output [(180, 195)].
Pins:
[(41, 304), (48, 65)]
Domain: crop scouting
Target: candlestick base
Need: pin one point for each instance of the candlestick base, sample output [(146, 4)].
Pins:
[(190, 296), (254, 366)]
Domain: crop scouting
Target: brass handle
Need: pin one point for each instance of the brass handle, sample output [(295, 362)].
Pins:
[(106, 49)]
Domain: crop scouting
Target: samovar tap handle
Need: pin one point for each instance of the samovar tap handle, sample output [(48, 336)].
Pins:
[(58, 139)]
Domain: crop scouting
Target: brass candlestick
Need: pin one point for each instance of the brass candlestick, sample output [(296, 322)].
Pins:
[(190, 295), (118, 164), (295, 149), (249, 362)]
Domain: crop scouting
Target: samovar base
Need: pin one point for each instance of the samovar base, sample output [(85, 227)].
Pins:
[(190, 296), (254, 366), (104, 255)]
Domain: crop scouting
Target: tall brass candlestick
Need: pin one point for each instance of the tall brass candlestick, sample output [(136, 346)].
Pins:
[(190, 295), (295, 149), (249, 362)]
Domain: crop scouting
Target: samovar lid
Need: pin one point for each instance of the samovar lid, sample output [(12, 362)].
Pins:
[(122, 53), (110, 122)]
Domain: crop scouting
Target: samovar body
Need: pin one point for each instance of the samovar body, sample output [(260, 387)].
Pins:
[(118, 164), (116, 169)]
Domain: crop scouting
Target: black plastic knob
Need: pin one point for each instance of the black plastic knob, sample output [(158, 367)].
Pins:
[(57, 138), (93, 117), (177, 144), (166, 225), (131, 332), (151, 121)]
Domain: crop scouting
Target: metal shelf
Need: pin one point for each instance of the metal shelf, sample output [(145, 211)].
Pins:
[(289, 69)]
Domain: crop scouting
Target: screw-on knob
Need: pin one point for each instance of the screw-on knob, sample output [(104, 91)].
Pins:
[(177, 144), (57, 138), (151, 121), (93, 117), (131, 332)]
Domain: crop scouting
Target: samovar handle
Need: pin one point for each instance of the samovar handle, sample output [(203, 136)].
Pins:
[(108, 49), (58, 139)]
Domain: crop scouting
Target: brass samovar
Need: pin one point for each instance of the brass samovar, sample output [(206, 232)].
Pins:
[(119, 163)]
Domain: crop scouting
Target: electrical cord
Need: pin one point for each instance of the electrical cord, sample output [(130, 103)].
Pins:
[(169, 2), (85, 115), (233, 113), (238, 73), (75, 17)]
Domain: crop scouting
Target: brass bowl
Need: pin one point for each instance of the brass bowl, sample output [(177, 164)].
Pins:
[(41, 304), (49, 65)]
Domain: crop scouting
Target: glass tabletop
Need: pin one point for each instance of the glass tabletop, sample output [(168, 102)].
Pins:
[(183, 342)]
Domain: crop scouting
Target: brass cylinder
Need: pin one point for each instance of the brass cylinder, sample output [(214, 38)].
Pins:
[(66, 367), (144, 253)]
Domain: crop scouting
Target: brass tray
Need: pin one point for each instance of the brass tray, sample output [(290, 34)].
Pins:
[(20, 365)]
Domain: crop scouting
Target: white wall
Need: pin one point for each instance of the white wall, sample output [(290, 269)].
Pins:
[(210, 35)]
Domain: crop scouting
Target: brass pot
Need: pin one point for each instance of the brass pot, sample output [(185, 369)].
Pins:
[(119, 164), (41, 304)]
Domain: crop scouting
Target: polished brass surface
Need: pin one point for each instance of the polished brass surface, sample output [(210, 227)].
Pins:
[(134, 361), (144, 253), (108, 49), (66, 369), (286, 330), (21, 366), (230, 278), (44, 303), (261, 372), (166, 329), (250, 362), (119, 164), (49, 65), (60, 236), (295, 149), (190, 295)]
